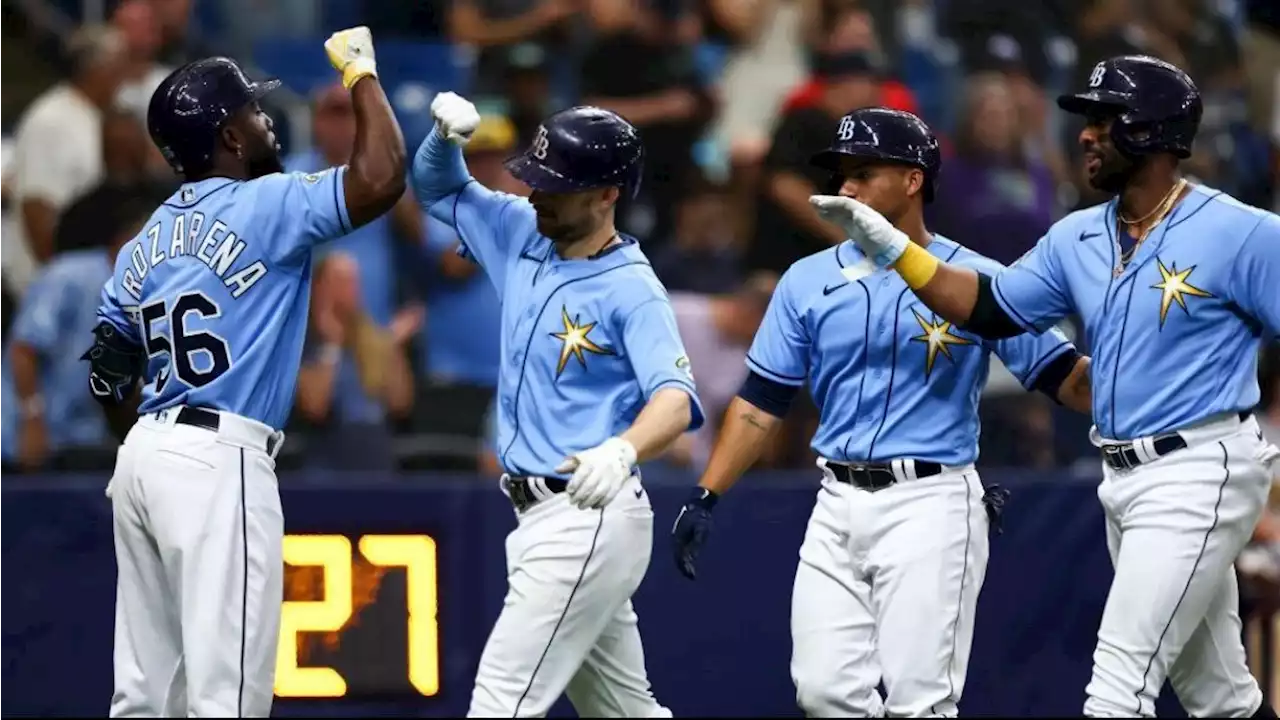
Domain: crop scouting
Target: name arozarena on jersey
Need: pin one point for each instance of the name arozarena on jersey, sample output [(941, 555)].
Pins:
[(218, 248)]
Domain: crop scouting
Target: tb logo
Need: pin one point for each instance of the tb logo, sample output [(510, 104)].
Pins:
[(1095, 77), (845, 132), (539, 147)]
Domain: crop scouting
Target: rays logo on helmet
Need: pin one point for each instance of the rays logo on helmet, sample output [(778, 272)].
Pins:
[(1099, 72), (540, 144), (845, 132)]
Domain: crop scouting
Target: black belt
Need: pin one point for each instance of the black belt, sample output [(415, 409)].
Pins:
[(211, 420), (524, 496), (878, 476), (1124, 457)]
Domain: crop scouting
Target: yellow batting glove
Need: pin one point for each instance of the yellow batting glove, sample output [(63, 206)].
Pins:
[(351, 53)]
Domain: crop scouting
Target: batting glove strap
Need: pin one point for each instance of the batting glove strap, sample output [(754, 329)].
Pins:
[(701, 497)]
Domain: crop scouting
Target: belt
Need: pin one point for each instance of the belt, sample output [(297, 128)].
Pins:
[(211, 420), (526, 491), (878, 476), (1124, 456)]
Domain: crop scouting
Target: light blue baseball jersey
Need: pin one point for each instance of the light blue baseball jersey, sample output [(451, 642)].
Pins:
[(462, 340), (1175, 336), (585, 342), (890, 379), (372, 245), (217, 286), (57, 313)]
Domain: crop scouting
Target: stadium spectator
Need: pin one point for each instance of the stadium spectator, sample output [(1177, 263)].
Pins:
[(991, 181), (139, 26), (461, 344), (705, 254), (127, 174), (378, 247), (355, 373), (1260, 42), (57, 153), (717, 330), (48, 413), (853, 31), (638, 67), (787, 227), (527, 89), (488, 26)]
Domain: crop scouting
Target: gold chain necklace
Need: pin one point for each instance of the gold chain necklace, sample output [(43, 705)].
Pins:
[(1158, 212)]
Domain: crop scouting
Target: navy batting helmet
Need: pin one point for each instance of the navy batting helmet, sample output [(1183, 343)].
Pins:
[(1156, 106), (886, 135), (579, 149), (193, 103)]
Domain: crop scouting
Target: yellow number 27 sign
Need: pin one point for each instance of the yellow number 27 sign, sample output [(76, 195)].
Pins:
[(331, 559)]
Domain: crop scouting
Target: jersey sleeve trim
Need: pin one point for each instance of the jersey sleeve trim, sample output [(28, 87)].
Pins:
[(1009, 309), (765, 372), (339, 199), (1034, 373)]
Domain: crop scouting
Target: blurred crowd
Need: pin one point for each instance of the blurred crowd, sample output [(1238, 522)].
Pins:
[(731, 96)]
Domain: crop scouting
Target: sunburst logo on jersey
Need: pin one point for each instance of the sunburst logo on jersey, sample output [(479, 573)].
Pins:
[(1174, 287), (575, 341), (938, 338)]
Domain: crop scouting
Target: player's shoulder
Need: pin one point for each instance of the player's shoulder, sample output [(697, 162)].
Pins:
[(1077, 223), (1224, 208), (816, 270), (628, 272), (283, 182)]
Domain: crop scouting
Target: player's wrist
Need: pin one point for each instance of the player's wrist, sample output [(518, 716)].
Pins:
[(626, 450), (704, 498), (916, 265), (360, 67)]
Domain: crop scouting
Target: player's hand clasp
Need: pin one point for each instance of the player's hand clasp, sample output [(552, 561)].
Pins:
[(598, 473), (456, 117), (875, 235)]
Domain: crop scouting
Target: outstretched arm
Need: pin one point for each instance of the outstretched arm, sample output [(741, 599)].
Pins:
[(1029, 296)]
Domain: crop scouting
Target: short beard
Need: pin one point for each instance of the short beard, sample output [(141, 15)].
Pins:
[(262, 165)]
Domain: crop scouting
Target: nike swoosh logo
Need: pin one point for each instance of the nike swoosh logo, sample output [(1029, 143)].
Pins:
[(639, 493), (832, 288), (1087, 235)]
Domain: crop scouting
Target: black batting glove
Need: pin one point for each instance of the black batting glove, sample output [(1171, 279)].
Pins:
[(692, 527)]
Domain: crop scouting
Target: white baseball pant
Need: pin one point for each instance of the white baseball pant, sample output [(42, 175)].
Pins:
[(567, 625), (198, 536), (1175, 526), (887, 589)]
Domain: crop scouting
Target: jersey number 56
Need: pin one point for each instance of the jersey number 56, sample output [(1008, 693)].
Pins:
[(182, 345)]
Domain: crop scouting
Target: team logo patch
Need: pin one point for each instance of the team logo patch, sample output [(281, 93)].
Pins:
[(1174, 287), (683, 365), (938, 338), (575, 341)]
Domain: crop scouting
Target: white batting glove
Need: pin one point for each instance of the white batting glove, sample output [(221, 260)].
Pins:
[(456, 117), (351, 53), (599, 473), (878, 238)]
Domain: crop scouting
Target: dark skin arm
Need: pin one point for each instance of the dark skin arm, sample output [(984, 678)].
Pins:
[(375, 179), (120, 418)]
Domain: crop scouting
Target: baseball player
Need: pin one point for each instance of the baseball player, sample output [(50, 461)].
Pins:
[(593, 379), (1176, 284), (896, 548), (207, 310)]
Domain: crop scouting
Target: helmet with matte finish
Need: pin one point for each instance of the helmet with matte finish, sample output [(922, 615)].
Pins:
[(885, 135), (1156, 106), (193, 103), (579, 149)]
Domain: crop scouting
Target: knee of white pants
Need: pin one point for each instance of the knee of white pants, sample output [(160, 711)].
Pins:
[(825, 693)]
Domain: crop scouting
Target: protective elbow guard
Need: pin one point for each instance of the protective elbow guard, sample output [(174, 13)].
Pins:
[(115, 364)]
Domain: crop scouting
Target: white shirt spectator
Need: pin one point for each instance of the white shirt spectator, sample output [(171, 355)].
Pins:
[(135, 95), (57, 156)]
